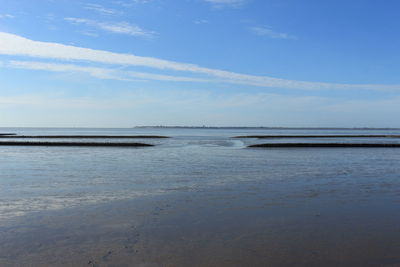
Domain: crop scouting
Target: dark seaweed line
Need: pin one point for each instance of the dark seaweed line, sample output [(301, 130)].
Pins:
[(317, 136), (76, 144), (84, 136), (324, 145)]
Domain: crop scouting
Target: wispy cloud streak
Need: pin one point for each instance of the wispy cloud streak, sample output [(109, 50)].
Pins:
[(114, 27), (230, 3), (11, 44), (6, 16), (101, 9), (101, 73), (268, 32), (130, 3)]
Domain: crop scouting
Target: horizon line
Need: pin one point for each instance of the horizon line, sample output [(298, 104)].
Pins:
[(210, 127)]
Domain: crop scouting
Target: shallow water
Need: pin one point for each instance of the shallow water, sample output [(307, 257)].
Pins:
[(220, 195), (41, 178)]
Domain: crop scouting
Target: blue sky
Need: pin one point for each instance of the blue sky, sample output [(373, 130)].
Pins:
[(121, 63)]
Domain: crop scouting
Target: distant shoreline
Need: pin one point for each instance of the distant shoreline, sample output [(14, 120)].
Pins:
[(261, 128)]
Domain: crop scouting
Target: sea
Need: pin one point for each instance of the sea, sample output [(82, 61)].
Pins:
[(37, 179)]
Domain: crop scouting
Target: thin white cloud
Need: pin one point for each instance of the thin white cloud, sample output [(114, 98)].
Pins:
[(114, 27), (91, 34), (92, 71), (6, 16), (127, 3), (101, 9), (11, 44), (141, 1), (201, 21), (101, 73), (268, 32), (230, 3)]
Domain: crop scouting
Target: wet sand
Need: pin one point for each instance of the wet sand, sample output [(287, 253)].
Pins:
[(246, 225)]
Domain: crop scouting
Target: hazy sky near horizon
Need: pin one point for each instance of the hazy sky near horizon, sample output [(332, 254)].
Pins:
[(122, 63)]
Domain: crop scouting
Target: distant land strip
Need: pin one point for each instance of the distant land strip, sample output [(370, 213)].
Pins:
[(73, 144), (304, 145), (84, 136), (317, 136), (266, 128), (9, 134)]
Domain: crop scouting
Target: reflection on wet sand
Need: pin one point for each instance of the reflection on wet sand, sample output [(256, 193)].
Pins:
[(237, 226)]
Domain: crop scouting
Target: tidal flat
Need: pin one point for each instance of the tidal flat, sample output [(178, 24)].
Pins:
[(250, 225), (199, 198)]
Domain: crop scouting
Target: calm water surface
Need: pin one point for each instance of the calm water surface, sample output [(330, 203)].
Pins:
[(37, 178)]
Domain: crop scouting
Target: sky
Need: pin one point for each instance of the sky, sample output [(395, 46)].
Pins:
[(273, 63)]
